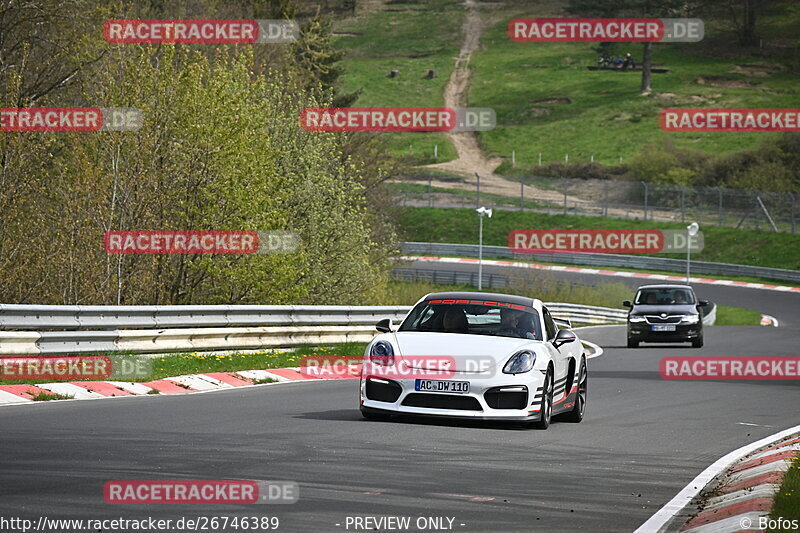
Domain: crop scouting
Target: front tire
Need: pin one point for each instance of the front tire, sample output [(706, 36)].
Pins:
[(632, 343), (576, 415), (546, 407), (697, 343)]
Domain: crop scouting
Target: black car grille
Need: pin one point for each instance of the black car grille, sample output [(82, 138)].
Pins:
[(517, 399), (655, 319), (442, 401), (383, 392)]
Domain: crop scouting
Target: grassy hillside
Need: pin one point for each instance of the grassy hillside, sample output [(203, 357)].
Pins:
[(601, 113), (545, 98), (411, 38)]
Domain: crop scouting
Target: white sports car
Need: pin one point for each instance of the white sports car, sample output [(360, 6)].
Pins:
[(476, 355)]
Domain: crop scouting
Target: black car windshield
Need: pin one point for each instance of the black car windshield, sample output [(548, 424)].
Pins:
[(485, 318), (665, 296)]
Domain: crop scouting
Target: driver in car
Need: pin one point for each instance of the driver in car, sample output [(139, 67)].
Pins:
[(510, 325)]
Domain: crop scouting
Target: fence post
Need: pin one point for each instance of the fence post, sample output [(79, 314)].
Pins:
[(478, 189), (645, 199), (757, 219), (430, 190), (513, 158), (683, 204), (540, 158), (605, 199)]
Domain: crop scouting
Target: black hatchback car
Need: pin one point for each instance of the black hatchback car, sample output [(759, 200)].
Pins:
[(665, 313)]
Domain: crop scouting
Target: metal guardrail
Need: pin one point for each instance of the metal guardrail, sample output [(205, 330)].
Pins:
[(76, 317), (603, 260), (585, 314), (159, 329)]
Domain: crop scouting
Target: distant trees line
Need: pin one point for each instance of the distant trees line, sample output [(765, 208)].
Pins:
[(220, 148)]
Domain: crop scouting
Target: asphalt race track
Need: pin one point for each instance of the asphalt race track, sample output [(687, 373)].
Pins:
[(642, 440)]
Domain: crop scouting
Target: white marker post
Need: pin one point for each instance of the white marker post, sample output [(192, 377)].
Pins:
[(482, 212)]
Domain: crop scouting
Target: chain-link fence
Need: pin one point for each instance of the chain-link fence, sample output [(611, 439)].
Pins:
[(739, 208)]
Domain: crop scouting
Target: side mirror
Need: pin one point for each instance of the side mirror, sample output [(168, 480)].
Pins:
[(703, 303), (564, 336), (384, 326), (626, 303)]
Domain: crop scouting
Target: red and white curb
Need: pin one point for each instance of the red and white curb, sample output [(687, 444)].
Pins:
[(732, 494), (604, 272), (92, 390), (768, 320)]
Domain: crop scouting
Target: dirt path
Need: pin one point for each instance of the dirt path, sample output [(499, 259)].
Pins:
[(471, 159)]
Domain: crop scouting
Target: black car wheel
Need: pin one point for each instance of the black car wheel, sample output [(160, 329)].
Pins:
[(633, 343)]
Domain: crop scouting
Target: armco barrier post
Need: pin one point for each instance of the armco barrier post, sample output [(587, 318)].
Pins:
[(644, 183)]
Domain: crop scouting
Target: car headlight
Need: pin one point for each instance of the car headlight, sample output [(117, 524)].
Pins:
[(382, 353), (690, 319), (635, 319), (519, 363)]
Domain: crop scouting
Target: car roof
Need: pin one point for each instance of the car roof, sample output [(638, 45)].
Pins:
[(665, 286), (464, 295)]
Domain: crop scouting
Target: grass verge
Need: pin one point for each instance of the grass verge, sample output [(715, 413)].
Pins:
[(787, 501), (736, 316), (724, 245), (48, 396)]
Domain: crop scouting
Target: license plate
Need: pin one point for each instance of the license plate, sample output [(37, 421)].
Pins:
[(664, 327), (436, 385)]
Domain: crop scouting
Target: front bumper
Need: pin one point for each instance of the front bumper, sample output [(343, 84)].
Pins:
[(683, 332), (504, 397)]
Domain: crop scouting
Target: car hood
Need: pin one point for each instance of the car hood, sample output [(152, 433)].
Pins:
[(464, 349), (668, 309)]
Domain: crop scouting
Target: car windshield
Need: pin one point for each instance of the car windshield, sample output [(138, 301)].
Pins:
[(490, 318), (665, 296)]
